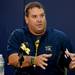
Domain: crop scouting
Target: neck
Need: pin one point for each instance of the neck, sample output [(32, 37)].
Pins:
[(38, 34)]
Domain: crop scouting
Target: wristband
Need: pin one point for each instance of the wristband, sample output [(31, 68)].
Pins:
[(33, 61)]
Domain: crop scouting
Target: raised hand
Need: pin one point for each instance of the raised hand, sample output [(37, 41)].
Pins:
[(72, 56)]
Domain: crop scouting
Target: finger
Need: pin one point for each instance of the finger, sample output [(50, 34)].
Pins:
[(72, 65), (44, 64), (73, 62), (73, 58), (47, 55), (67, 52), (43, 67), (44, 59), (72, 55)]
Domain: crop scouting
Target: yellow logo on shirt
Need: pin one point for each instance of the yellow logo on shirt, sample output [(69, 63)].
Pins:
[(24, 48)]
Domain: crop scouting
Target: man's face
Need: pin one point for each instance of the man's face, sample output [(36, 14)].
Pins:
[(36, 21)]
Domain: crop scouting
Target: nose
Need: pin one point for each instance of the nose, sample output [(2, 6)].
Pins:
[(39, 19)]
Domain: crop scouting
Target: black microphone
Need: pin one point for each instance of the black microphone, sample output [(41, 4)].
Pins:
[(21, 58), (20, 54)]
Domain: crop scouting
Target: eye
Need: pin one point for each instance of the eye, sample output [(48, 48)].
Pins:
[(42, 15), (34, 16)]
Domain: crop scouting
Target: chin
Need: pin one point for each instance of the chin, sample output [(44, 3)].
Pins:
[(40, 31)]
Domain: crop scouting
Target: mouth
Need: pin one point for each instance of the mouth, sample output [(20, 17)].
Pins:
[(39, 24)]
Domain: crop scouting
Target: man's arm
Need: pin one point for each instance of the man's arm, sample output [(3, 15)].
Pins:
[(13, 60), (40, 60)]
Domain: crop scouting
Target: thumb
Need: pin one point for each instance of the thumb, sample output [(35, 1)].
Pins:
[(67, 53)]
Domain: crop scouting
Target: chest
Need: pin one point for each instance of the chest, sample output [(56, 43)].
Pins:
[(45, 45)]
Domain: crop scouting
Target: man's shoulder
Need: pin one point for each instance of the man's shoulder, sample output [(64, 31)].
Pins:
[(59, 32), (19, 31), (56, 32)]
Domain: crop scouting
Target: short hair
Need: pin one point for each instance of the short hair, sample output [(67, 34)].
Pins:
[(32, 5)]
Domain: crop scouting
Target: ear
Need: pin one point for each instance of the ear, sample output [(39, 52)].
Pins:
[(26, 19)]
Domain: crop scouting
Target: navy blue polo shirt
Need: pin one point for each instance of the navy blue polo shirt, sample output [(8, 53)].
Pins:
[(53, 41)]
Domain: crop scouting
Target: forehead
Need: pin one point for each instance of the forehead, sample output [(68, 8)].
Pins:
[(35, 11)]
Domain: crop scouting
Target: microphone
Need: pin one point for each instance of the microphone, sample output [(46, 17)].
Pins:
[(21, 58), (21, 53), (37, 42)]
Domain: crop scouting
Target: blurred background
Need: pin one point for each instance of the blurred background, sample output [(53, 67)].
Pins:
[(60, 14)]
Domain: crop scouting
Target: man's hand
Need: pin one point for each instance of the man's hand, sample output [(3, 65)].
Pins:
[(72, 56), (41, 60)]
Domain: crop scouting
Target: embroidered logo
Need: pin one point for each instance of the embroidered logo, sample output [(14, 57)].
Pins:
[(48, 49), (25, 48)]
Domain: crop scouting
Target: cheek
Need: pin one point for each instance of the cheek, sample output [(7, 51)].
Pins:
[(31, 21), (31, 24), (44, 22)]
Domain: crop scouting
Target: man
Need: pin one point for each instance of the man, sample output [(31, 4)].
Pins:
[(35, 50)]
